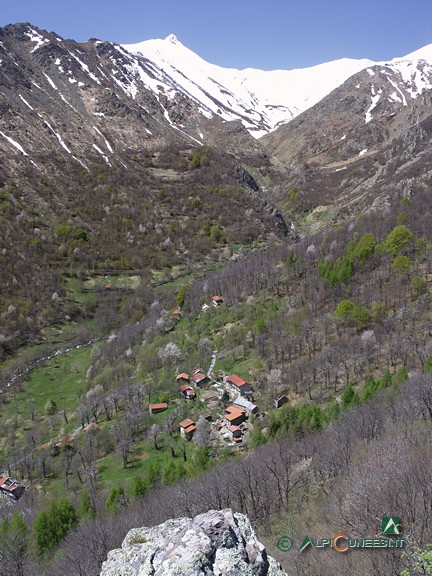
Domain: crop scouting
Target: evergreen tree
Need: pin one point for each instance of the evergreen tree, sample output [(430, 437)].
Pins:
[(116, 500), (347, 396), (86, 510), (257, 437), (52, 524), (139, 486)]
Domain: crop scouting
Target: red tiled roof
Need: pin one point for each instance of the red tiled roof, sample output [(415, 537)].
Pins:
[(233, 428), (65, 441), (188, 390), (91, 426), (234, 410), (3, 479), (237, 380), (198, 377), (182, 376), (186, 423), (10, 487), (161, 406), (190, 428), (217, 298), (234, 415)]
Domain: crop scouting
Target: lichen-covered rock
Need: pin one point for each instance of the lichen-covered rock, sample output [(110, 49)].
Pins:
[(219, 543)]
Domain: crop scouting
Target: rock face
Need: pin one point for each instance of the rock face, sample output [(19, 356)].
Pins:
[(219, 543)]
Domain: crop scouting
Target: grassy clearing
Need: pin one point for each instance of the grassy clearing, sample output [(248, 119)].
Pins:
[(61, 379), (58, 335), (121, 282), (143, 457), (167, 174)]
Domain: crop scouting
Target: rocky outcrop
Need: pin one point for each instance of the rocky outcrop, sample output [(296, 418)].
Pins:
[(249, 182), (219, 543)]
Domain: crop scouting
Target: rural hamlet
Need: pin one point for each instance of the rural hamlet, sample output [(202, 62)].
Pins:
[(11, 487)]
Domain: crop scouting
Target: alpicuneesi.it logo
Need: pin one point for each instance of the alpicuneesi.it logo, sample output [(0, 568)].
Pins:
[(390, 526)]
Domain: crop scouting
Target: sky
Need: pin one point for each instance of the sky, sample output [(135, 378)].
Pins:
[(265, 34)]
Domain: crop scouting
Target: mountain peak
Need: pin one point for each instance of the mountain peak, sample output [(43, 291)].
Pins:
[(172, 38)]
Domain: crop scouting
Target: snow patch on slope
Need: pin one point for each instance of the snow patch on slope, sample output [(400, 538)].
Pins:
[(59, 138), (36, 37), (51, 83), (375, 100), (85, 68), (14, 143), (25, 102), (102, 154)]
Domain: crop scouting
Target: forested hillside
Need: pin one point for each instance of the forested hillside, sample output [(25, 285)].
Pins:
[(339, 323), (169, 211)]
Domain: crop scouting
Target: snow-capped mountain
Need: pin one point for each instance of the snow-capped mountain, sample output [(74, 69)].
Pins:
[(160, 91), (263, 100), (98, 100)]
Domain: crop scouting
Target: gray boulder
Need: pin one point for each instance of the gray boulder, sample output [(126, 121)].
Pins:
[(217, 543)]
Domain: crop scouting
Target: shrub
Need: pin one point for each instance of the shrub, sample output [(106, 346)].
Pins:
[(180, 296), (418, 286), (80, 235), (63, 231), (348, 311), (292, 193), (336, 272), (345, 309), (361, 249), (50, 408), (139, 486), (116, 500), (398, 238), (428, 365)]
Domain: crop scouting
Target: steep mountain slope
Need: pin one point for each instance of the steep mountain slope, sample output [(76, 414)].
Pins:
[(260, 99), (155, 92), (367, 144), (60, 95), (91, 102), (265, 99), (354, 118), (102, 150), (93, 179)]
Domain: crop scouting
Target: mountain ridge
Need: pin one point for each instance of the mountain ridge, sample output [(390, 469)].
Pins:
[(307, 86), (262, 100)]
